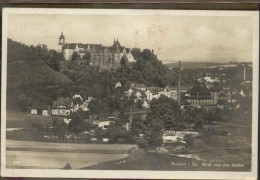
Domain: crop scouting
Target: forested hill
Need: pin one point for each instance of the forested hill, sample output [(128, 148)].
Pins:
[(37, 74), (30, 78)]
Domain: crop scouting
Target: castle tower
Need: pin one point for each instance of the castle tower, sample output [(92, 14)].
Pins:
[(61, 42)]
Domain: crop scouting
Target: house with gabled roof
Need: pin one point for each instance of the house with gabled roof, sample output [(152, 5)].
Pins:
[(199, 96), (41, 108), (62, 106), (140, 86), (77, 102)]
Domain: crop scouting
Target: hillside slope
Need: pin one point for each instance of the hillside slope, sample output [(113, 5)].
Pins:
[(29, 78)]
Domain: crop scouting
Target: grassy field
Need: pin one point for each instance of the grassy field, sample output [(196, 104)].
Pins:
[(41, 155), (16, 119)]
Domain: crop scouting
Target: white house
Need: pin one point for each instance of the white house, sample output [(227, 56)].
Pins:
[(138, 95), (104, 124), (149, 94), (85, 104), (67, 120), (145, 104), (77, 102), (129, 92), (242, 93), (118, 85), (209, 79)]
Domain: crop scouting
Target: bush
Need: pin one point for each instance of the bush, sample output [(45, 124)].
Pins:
[(142, 143), (24, 102), (198, 125), (207, 135), (189, 139)]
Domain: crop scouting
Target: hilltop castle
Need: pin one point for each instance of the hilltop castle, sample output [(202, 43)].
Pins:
[(105, 57)]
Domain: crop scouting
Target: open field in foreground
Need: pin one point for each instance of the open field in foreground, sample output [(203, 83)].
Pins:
[(41, 155)]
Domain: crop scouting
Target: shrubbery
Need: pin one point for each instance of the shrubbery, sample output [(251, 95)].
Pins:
[(189, 139)]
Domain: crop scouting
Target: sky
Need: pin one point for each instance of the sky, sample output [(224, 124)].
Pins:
[(173, 38)]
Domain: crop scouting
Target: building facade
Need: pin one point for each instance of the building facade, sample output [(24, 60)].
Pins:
[(40, 108), (105, 57), (199, 96)]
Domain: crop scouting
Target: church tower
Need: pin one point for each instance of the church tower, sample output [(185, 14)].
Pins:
[(61, 42)]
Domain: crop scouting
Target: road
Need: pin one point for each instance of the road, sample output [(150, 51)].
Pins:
[(42, 155)]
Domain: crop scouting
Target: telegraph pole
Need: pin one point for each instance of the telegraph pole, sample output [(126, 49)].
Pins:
[(179, 85)]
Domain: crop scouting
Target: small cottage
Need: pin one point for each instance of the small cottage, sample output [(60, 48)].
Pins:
[(40, 108), (62, 107)]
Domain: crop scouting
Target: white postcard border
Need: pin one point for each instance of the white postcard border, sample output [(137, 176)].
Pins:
[(131, 173)]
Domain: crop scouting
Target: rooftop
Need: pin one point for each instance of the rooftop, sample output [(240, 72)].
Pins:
[(62, 102)]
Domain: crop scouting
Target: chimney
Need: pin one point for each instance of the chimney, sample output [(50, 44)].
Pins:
[(179, 85), (244, 72)]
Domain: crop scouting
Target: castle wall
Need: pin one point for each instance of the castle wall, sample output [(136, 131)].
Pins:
[(67, 54)]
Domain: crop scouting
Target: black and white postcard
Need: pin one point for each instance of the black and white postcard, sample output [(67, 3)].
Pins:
[(95, 93)]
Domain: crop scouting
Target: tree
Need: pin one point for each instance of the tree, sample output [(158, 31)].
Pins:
[(198, 125), (189, 139), (154, 130), (75, 56), (117, 130), (55, 122), (136, 52), (149, 73), (24, 102), (138, 126), (76, 125), (167, 110), (60, 130), (131, 98), (93, 107), (88, 57), (124, 61)]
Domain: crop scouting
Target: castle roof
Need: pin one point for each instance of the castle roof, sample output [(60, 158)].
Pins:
[(98, 48), (84, 46)]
